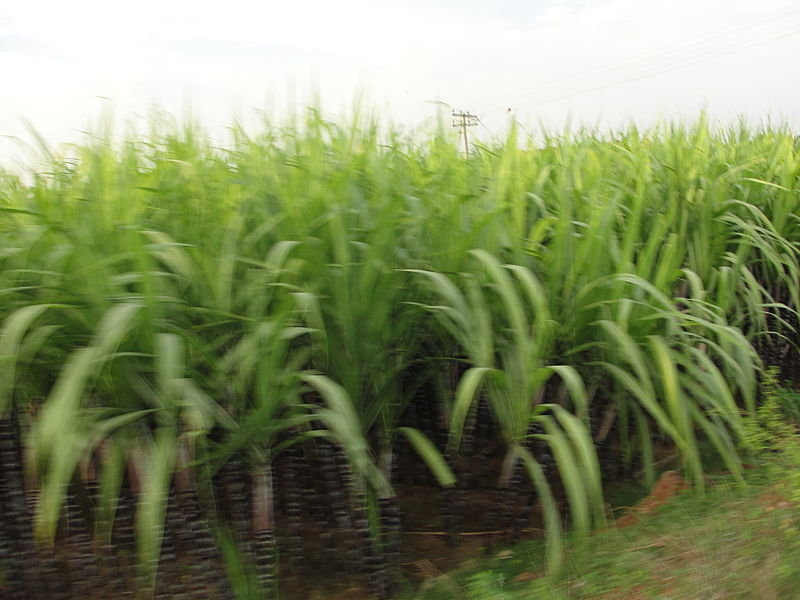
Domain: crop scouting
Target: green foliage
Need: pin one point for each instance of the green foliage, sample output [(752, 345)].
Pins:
[(684, 550), (163, 296), (768, 429), (773, 430), (487, 585)]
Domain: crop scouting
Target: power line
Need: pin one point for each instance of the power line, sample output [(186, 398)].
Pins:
[(732, 34), (665, 68), (725, 36), (485, 126), (728, 41)]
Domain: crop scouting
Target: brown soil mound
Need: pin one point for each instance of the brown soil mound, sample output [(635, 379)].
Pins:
[(669, 485)]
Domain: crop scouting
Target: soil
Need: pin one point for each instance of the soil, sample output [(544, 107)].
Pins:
[(426, 549), (670, 484)]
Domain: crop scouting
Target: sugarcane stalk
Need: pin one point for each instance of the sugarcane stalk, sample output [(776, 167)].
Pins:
[(15, 540), (208, 579), (171, 583), (293, 514), (373, 566), (237, 497), (52, 573), (263, 523), (337, 485), (83, 569), (390, 522)]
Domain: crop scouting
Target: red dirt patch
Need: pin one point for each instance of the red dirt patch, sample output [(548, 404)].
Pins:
[(669, 485)]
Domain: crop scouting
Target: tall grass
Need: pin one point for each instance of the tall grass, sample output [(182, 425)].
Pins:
[(172, 312)]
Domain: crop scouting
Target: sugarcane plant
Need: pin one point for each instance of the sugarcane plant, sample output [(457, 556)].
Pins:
[(211, 354)]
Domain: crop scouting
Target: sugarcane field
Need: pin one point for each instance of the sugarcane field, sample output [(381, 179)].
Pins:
[(334, 360)]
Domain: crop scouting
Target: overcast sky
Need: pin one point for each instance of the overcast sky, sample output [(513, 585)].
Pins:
[(596, 61)]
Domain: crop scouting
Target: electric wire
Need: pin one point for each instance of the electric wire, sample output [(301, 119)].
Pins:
[(659, 54), (728, 41), (664, 69)]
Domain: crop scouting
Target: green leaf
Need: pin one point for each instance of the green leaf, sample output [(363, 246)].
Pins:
[(583, 447), (467, 389), (571, 475), (60, 469), (344, 424), (14, 329), (552, 518), (429, 453), (577, 390), (156, 468)]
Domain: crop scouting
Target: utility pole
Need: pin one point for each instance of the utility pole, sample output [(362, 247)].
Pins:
[(464, 119)]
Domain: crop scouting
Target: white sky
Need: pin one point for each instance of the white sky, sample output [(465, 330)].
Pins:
[(62, 63)]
